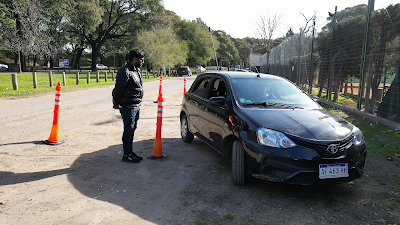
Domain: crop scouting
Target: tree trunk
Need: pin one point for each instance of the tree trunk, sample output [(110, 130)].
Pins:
[(79, 52), (34, 60), (95, 52), (268, 53), (119, 61), (22, 62), (51, 62)]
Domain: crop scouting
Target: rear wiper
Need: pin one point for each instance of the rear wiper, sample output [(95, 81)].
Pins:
[(266, 104)]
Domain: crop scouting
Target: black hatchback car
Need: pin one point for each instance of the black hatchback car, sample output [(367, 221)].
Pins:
[(270, 129), (184, 70)]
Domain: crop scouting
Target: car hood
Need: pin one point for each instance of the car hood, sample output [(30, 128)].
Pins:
[(316, 124)]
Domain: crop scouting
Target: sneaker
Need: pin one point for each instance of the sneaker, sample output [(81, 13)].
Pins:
[(133, 155), (130, 159)]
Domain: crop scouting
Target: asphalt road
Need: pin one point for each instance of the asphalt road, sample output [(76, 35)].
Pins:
[(26, 121)]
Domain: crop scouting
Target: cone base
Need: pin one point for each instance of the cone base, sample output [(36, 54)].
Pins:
[(157, 157), (53, 143)]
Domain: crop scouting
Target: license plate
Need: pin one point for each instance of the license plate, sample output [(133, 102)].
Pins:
[(333, 170)]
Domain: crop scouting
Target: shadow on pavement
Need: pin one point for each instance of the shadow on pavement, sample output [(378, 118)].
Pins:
[(193, 176), (148, 189)]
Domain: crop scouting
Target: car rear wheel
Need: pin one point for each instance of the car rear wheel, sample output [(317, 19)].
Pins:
[(238, 163), (185, 133)]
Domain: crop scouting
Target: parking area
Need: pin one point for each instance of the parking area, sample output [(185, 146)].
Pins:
[(83, 181)]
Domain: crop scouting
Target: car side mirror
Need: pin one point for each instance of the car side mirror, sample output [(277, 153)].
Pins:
[(217, 100)]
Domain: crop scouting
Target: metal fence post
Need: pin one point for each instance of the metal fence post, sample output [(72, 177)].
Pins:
[(364, 49), (299, 62), (329, 91), (310, 79), (97, 76), (88, 77)]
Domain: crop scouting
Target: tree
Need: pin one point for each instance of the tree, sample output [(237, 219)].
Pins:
[(162, 47), (255, 45), (265, 29), (101, 20), (384, 35), (164, 18), (244, 51), (197, 37), (342, 60), (227, 51), (23, 29)]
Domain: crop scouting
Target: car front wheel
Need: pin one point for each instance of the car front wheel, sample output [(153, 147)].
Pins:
[(185, 133), (238, 163)]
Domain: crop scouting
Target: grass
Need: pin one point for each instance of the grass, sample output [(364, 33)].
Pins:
[(229, 216), (25, 82), (341, 97), (380, 139), (335, 110), (392, 205), (381, 182)]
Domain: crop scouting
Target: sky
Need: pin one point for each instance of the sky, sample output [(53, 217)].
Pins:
[(238, 18)]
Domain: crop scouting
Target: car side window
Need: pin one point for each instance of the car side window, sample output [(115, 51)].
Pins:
[(218, 89), (201, 87)]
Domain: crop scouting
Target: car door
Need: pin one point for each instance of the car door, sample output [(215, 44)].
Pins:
[(213, 117), (194, 99)]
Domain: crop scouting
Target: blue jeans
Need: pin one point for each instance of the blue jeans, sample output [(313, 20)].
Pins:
[(130, 116)]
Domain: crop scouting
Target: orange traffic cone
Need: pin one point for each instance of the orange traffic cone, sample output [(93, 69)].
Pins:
[(157, 150), (159, 90), (184, 85), (184, 89), (54, 138)]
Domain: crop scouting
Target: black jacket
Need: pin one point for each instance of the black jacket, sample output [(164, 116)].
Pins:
[(128, 90)]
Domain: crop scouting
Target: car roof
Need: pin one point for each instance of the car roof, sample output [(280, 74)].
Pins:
[(240, 74)]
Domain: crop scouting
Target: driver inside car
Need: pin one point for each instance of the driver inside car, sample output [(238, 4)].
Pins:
[(265, 93)]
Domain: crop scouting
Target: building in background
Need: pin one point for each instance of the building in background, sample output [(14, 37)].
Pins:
[(255, 62)]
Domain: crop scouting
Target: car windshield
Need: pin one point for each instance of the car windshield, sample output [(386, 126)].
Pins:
[(266, 92)]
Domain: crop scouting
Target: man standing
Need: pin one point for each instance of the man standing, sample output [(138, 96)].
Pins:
[(127, 96)]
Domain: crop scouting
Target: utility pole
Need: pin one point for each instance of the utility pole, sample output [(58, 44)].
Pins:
[(215, 54)]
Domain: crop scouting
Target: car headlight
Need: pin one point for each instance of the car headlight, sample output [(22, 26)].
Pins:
[(273, 138), (358, 137)]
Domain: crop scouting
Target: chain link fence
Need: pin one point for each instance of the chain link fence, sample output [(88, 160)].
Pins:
[(356, 55)]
